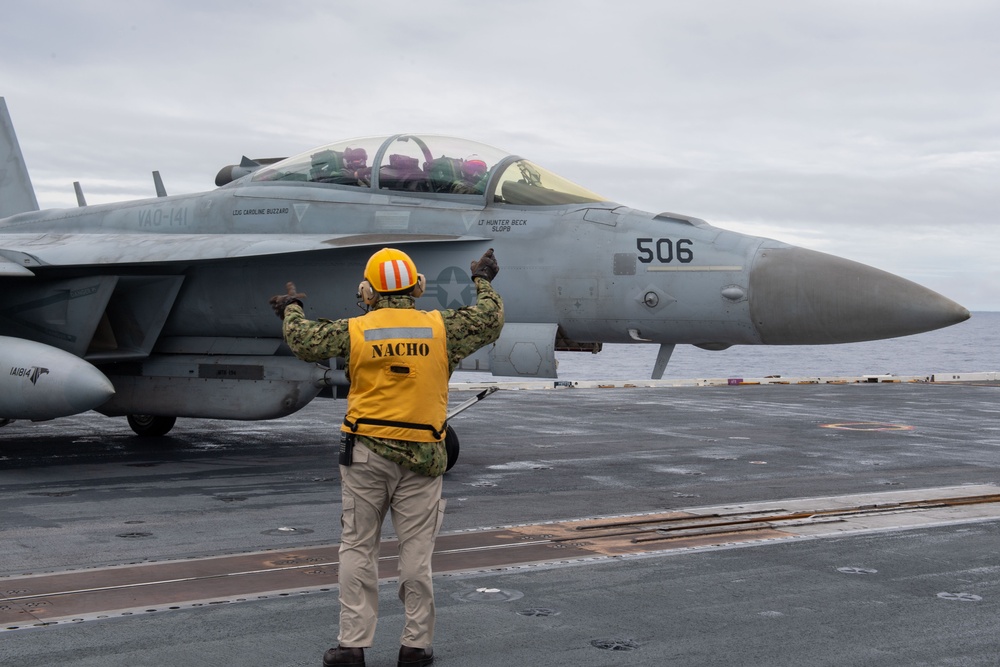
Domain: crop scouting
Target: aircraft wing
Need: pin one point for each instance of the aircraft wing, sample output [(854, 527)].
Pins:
[(19, 253)]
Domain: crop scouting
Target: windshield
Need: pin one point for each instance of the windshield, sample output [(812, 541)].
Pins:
[(427, 164), (524, 183)]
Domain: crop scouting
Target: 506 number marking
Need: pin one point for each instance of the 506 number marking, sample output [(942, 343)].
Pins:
[(664, 251)]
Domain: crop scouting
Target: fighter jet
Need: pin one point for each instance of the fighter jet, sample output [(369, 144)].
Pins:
[(157, 308)]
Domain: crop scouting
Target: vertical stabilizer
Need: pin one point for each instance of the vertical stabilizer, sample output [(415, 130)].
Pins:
[(16, 193)]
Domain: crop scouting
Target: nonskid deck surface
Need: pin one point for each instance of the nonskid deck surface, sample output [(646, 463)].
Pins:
[(32, 601), (795, 524)]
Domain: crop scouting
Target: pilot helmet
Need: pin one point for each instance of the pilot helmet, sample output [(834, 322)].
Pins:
[(356, 158), (390, 271), (473, 169)]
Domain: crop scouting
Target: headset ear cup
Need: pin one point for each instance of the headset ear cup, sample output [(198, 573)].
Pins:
[(367, 293), (421, 285)]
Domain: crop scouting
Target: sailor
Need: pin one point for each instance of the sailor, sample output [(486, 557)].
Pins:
[(399, 360)]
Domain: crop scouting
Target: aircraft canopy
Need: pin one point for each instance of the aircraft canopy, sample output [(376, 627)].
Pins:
[(429, 164)]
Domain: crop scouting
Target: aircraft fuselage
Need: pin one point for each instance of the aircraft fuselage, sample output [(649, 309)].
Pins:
[(168, 296)]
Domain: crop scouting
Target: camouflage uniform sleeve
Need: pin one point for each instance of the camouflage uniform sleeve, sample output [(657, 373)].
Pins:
[(315, 341), (473, 327)]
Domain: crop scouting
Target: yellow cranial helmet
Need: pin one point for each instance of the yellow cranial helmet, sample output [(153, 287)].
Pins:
[(391, 270)]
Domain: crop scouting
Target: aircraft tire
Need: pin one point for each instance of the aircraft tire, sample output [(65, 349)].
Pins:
[(151, 426), (451, 445)]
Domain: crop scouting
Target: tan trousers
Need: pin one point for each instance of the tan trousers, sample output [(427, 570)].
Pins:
[(370, 487)]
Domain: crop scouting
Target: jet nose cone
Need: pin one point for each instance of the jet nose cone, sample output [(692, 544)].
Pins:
[(804, 297)]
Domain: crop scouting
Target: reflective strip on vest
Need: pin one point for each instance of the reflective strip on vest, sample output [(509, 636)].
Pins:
[(398, 332)]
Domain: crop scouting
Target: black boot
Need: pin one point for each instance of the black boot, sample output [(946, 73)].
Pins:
[(345, 656), (415, 657)]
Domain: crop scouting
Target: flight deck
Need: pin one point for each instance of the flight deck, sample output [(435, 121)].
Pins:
[(842, 523)]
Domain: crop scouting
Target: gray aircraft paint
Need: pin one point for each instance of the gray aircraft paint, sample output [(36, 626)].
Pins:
[(167, 296)]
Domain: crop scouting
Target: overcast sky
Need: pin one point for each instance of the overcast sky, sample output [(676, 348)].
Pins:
[(867, 129)]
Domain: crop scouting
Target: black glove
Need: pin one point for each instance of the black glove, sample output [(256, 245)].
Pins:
[(486, 266), (282, 301)]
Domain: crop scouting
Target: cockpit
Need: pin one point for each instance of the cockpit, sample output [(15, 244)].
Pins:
[(429, 165)]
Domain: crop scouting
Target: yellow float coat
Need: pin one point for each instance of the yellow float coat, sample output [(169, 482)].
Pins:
[(399, 375)]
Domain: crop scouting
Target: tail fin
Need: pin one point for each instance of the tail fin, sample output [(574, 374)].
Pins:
[(16, 193)]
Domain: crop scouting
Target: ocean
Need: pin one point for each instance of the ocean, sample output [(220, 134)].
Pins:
[(969, 347)]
